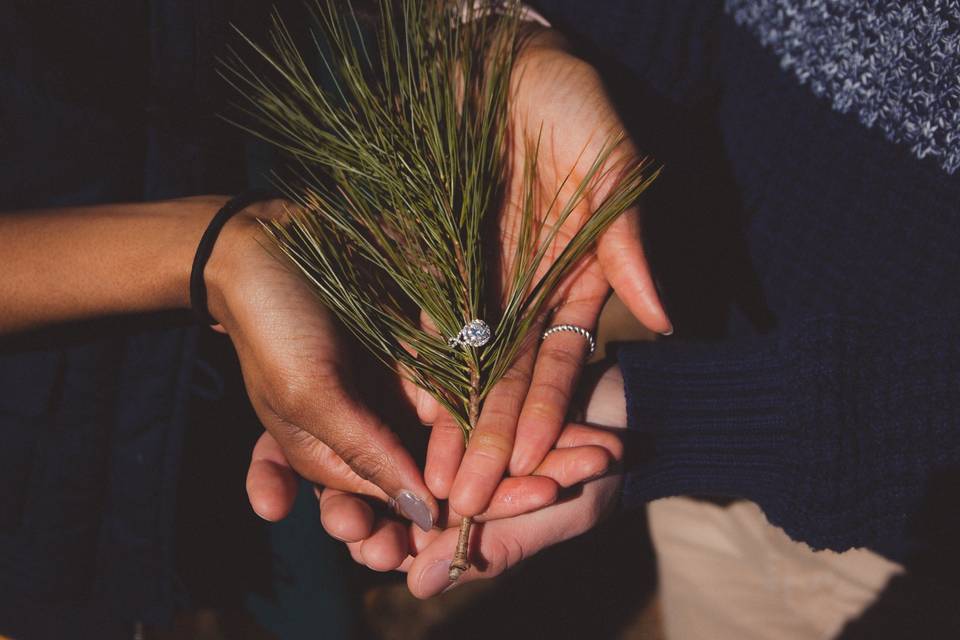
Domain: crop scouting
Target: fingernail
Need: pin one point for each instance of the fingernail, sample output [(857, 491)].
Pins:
[(668, 332), (415, 509), (435, 578)]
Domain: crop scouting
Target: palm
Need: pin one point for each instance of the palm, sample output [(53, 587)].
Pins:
[(557, 102), (558, 172), (560, 103)]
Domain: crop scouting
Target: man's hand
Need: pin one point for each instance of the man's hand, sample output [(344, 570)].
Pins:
[(561, 100), (298, 377), (502, 544), (523, 518)]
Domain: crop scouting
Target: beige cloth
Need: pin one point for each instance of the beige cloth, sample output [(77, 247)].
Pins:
[(726, 573)]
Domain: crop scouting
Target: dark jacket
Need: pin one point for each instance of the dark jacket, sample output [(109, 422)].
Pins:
[(100, 102), (809, 224)]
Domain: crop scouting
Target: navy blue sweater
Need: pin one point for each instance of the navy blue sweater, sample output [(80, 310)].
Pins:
[(836, 408)]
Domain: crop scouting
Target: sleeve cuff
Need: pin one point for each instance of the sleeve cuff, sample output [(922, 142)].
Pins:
[(714, 420)]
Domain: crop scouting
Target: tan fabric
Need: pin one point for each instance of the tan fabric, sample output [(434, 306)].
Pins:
[(726, 573)]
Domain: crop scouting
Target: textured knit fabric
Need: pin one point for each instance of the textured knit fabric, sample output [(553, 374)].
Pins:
[(896, 65), (841, 415)]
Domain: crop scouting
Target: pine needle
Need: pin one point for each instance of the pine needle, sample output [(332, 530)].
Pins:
[(397, 139)]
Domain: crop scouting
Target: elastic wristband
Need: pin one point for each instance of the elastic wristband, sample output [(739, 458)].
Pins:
[(198, 286)]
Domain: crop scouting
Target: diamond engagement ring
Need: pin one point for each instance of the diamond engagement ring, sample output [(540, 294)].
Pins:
[(475, 333), (557, 328)]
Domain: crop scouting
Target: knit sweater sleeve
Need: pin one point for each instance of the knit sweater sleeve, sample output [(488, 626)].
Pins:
[(846, 433)]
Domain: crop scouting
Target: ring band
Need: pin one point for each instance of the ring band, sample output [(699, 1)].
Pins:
[(557, 328)]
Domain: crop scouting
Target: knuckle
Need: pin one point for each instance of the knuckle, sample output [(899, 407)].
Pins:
[(491, 445), (556, 358), (581, 305), (446, 430), (327, 457), (552, 390), (498, 415), (547, 399), (289, 403), (541, 413), (516, 377), (509, 553), (367, 462)]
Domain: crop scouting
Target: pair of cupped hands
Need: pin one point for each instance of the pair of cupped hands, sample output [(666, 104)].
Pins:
[(531, 478)]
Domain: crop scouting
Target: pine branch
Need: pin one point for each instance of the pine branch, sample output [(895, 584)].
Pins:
[(398, 168)]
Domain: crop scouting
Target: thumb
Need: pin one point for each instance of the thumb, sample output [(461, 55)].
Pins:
[(372, 451), (271, 483), (624, 263), (308, 425)]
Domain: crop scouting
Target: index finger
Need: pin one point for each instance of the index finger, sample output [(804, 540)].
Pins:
[(491, 442)]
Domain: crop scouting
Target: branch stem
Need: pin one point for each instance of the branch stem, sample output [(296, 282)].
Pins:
[(461, 562)]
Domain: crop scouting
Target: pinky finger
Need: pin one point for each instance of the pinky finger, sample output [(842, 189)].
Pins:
[(574, 465)]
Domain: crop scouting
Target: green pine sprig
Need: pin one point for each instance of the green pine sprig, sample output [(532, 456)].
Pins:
[(399, 162)]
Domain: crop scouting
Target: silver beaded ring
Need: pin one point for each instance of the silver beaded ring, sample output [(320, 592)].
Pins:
[(575, 329)]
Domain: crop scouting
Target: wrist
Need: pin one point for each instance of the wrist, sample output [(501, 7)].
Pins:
[(148, 268), (240, 244), (607, 405)]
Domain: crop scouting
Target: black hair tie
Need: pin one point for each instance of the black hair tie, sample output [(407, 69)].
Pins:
[(198, 286)]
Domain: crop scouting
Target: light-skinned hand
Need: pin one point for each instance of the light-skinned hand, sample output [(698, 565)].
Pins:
[(525, 516), (560, 99)]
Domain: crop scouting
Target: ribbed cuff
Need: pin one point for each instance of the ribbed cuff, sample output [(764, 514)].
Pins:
[(714, 419)]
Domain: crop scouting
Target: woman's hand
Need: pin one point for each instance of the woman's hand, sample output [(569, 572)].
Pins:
[(299, 376), (561, 100)]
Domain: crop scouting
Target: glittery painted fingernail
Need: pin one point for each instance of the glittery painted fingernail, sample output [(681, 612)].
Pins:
[(415, 509)]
